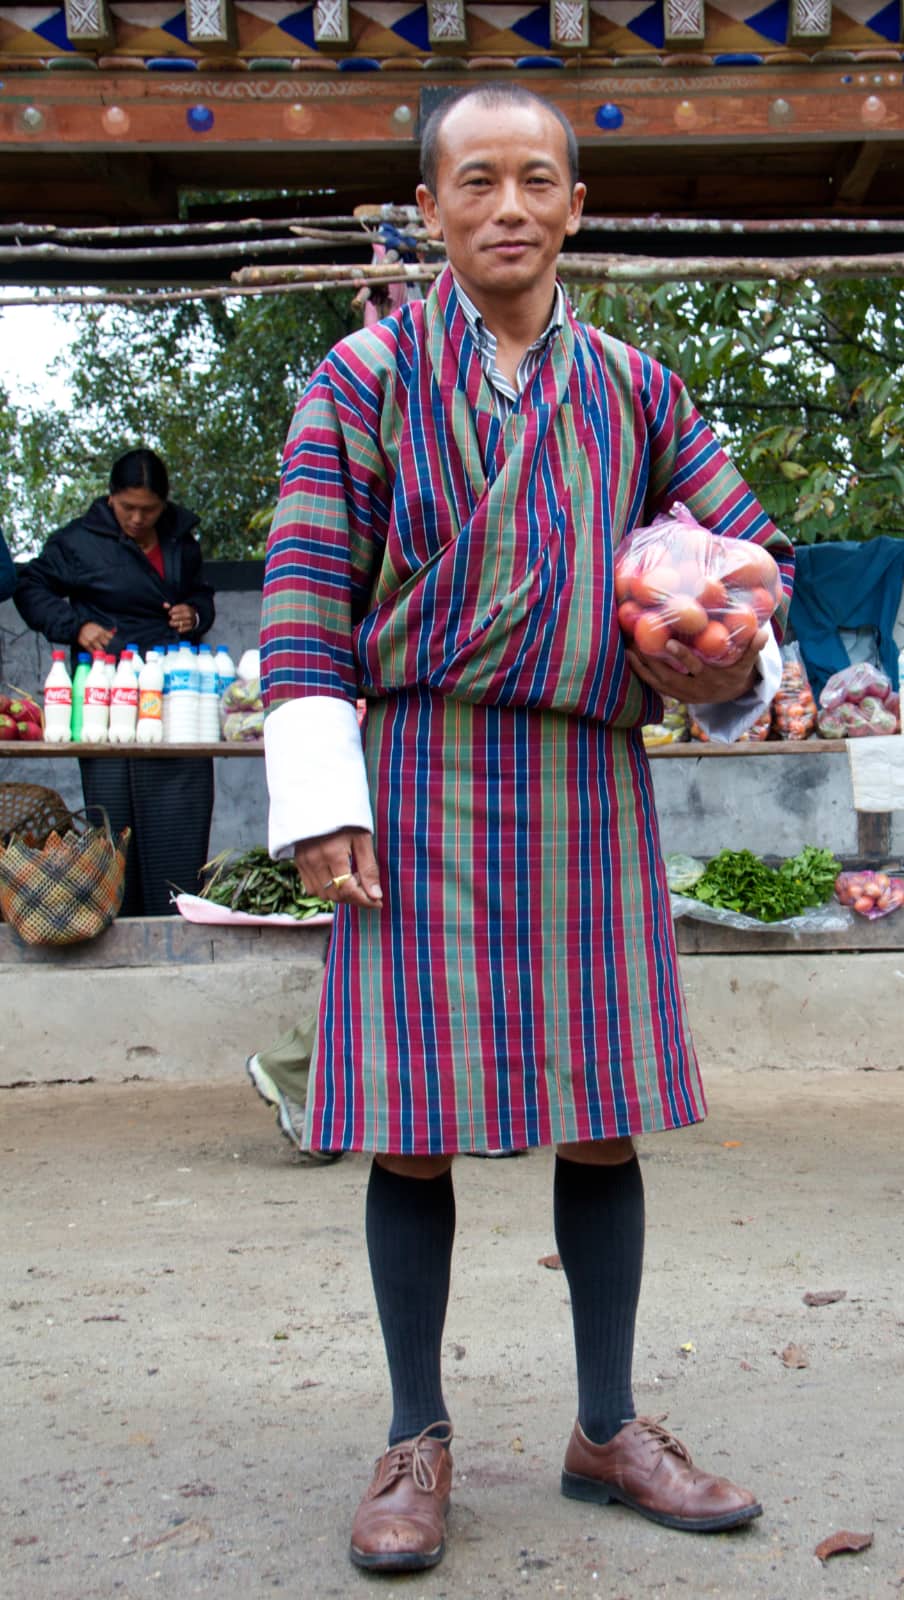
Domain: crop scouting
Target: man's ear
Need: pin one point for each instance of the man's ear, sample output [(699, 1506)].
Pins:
[(578, 194), (429, 211)]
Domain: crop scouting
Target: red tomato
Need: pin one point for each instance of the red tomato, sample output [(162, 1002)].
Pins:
[(623, 580), (651, 633), (656, 583), (748, 565), (712, 595), (763, 602), (628, 613), (714, 643), (742, 624), (685, 614)]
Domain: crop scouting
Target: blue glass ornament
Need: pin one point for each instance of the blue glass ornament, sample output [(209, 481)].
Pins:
[(199, 119), (609, 117)]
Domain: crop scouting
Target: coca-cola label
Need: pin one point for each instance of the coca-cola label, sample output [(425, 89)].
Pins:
[(59, 696), (124, 697), (97, 694), (150, 704)]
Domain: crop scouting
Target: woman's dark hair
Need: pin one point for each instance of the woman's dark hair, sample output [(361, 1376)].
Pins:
[(140, 469), (490, 94)]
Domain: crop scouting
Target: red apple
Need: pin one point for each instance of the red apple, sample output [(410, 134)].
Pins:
[(29, 730), (8, 729), (25, 710)]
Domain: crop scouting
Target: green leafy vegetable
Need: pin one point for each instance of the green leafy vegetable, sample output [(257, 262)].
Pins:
[(738, 880), (253, 883)]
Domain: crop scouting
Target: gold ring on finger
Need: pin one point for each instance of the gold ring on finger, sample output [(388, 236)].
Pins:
[(338, 881)]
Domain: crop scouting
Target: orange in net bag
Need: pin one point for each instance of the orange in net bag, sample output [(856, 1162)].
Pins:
[(676, 580)]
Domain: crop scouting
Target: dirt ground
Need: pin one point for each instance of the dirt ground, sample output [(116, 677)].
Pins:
[(192, 1378)]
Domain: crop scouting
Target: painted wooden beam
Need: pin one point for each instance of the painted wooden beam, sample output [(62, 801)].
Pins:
[(210, 22), (88, 23)]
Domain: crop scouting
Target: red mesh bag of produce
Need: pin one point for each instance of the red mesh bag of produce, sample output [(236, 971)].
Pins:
[(676, 580)]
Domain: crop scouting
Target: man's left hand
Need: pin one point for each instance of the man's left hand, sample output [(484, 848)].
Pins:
[(699, 682)]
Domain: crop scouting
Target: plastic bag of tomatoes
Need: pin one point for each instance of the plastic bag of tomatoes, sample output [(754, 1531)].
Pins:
[(870, 894), (676, 580)]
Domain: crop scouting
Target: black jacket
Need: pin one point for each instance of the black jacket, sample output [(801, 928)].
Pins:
[(90, 571), (7, 571)]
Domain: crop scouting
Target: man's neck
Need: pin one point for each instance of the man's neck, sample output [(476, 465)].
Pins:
[(515, 320)]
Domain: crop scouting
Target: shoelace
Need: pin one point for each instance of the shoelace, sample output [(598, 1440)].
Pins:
[(409, 1457), (665, 1440)]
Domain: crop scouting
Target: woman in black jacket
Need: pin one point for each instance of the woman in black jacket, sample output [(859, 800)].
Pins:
[(129, 571)]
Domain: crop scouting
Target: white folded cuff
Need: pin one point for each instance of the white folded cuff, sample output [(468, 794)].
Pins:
[(726, 722), (315, 772)]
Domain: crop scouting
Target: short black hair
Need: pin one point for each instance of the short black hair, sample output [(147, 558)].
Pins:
[(140, 469), (490, 94)]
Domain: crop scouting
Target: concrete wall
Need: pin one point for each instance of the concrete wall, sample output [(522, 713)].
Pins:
[(772, 806)]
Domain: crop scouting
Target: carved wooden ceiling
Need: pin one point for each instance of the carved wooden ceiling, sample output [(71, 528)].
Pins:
[(110, 112)]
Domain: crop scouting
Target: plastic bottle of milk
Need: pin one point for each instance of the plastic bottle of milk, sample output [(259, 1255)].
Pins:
[(225, 668), (124, 702), (149, 729), (208, 702), (58, 701), (168, 657), (184, 696), (96, 708), (83, 667)]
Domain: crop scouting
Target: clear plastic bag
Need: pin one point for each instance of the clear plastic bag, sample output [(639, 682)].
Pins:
[(757, 733), (858, 703), (870, 894), (793, 708), (676, 580), (821, 919), (673, 729)]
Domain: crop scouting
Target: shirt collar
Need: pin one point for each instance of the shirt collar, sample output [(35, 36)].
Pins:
[(484, 337)]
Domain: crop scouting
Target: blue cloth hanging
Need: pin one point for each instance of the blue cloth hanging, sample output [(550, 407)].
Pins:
[(846, 585)]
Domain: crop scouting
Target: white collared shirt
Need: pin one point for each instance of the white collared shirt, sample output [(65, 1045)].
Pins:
[(505, 394)]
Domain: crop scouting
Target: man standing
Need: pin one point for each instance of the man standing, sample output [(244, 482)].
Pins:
[(502, 970)]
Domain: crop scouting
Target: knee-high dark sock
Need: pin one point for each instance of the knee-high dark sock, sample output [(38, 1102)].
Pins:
[(410, 1229), (599, 1222)]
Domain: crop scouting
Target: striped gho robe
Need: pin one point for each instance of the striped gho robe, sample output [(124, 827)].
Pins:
[(520, 985)]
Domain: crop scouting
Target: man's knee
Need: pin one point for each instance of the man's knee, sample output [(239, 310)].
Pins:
[(598, 1152), (415, 1166)]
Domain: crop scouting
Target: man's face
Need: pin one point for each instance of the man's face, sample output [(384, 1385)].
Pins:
[(503, 201)]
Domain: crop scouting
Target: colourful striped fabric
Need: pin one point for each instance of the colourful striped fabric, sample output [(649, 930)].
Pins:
[(520, 984)]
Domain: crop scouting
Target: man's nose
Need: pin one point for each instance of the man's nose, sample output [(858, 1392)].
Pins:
[(511, 200)]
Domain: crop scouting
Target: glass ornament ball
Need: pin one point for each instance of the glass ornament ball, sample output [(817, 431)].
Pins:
[(686, 114), (609, 117), (402, 116), (199, 118), (32, 119), (781, 113), (115, 121), (873, 111), (298, 118)]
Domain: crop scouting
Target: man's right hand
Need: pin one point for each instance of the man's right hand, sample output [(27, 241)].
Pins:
[(93, 636), (341, 866)]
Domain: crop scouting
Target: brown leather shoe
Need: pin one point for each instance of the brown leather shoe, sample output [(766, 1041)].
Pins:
[(400, 1524), (648, 1469)]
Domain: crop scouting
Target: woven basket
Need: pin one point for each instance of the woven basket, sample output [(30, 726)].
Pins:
[(69, 890), (32, 811)]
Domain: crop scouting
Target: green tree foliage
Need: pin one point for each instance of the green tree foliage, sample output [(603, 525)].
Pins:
[(209, 385), (803, 382)]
